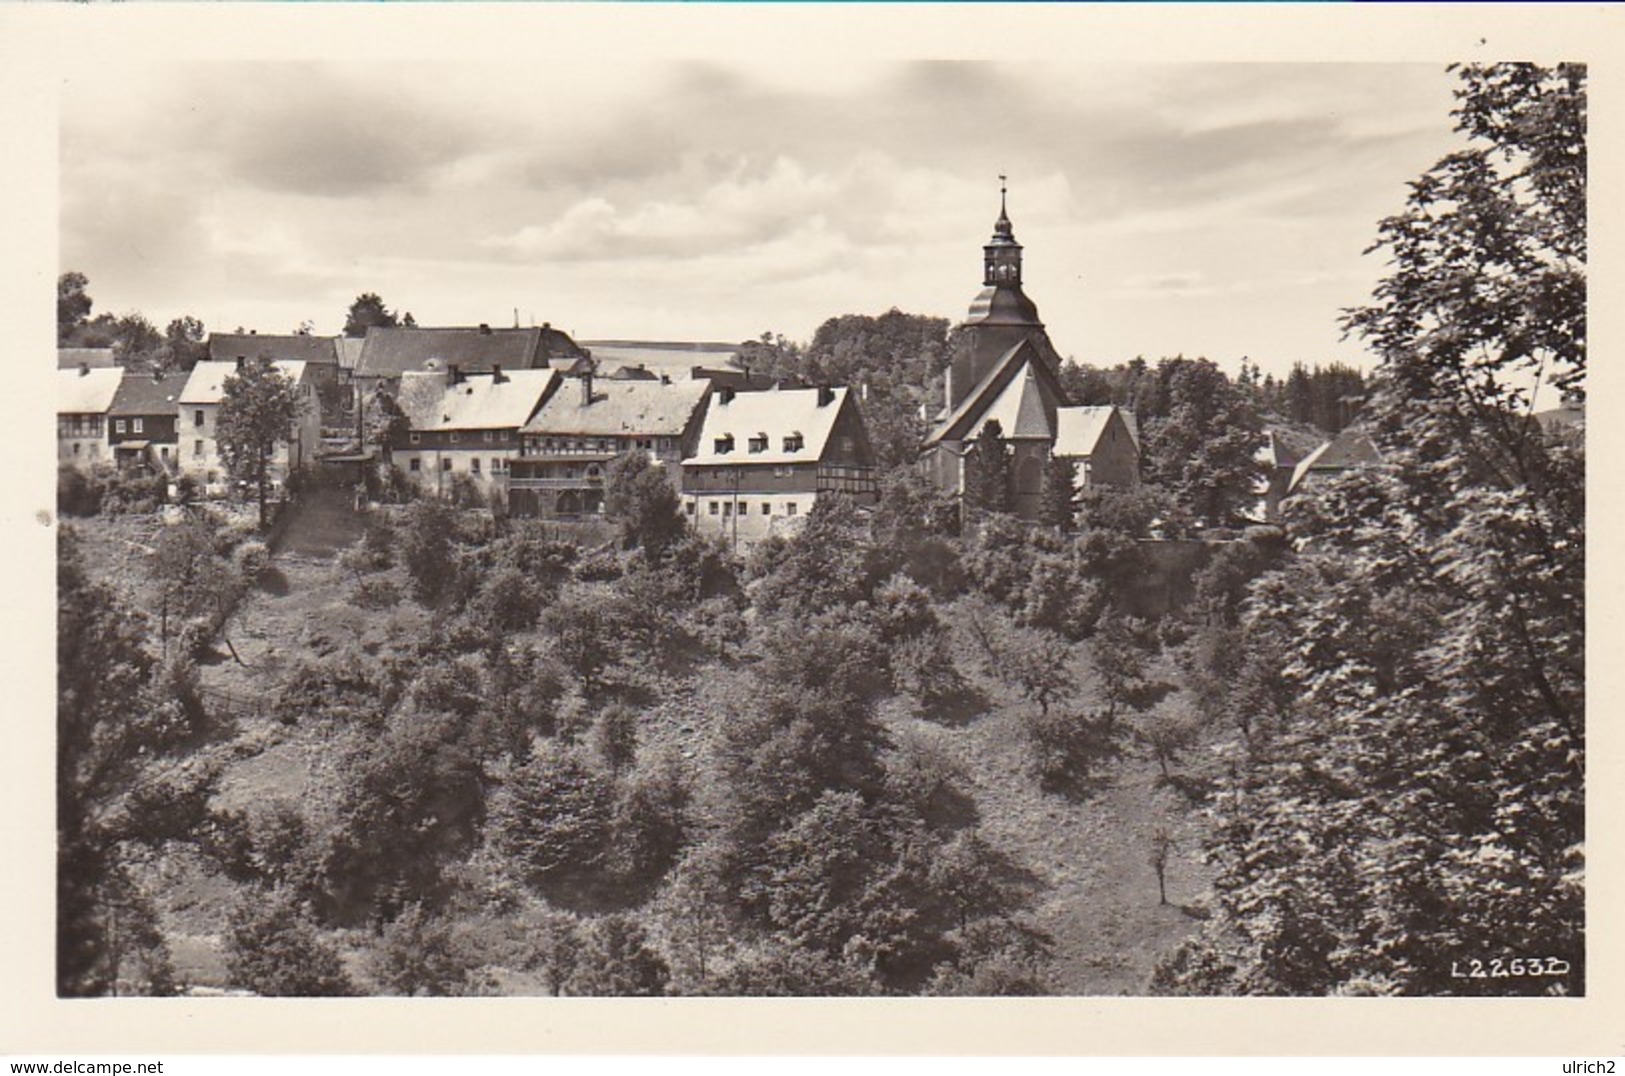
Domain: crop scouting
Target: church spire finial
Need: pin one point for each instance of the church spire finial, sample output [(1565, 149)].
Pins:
[(1002, 189)]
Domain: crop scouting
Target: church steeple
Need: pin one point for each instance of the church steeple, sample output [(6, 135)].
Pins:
[(1001, 258)]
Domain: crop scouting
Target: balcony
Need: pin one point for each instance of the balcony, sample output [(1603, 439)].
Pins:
[(582, 483)]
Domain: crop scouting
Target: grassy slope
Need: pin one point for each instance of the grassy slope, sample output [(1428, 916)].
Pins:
[(1099, 898)]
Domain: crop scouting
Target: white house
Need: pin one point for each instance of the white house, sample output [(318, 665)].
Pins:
[(198, 419), (83, 395)]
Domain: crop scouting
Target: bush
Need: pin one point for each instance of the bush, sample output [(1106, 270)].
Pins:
[(252, 558), (1067, 747), (77, 494)]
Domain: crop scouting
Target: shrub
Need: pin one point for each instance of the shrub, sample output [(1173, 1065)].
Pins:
[(376, 595), (77, 494), (251, 558)]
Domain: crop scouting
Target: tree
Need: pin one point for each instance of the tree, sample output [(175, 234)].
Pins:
[(137, 343), (368, 311), (257, 414), (122, 721), (554, 817), (1057, 505), (417, 957), (427, 542), (185, 344), (1424, 791), (617, 961), (987, 470), (1201, 440), (640, 498), (272, 948), (72, 305), (1157, 855)]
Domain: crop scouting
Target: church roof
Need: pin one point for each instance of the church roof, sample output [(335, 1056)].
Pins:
[(1002, 304), (993, 397)]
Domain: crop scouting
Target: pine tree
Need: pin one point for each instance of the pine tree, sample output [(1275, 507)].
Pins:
[(1058, 506)]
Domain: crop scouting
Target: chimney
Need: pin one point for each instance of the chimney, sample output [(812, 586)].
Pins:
[(826, 395), (157, 376), (586, 388), (665, 379), (496, 374), (240, 360), (485, 329), (454, 373), (725, 395), (948, 389), (84, 369)]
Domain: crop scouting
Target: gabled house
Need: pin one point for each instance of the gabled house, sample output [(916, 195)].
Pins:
[(84, 394), (569, 443), (1350, 450), (197, 422), (765, 458), (1281, 460), (465, 424), (141, 421), (1004, 369)]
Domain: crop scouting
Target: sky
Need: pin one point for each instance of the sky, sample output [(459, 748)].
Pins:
[(1218, 210)]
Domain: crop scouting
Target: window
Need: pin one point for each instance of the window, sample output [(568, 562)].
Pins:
[(793, 442), (474, 465), (445, 465), (490, 435), (713, 503), (790, 508), (727, 508), (414, 438), (646, 443), (211, 478), (690, 507), (163, 452), (118, 425), (725, 445), (136, 425), (783, 470), (197, 417), (496, 465), (76, 447), (759, 443), (767, 508), (415, 465), (197, 449), (452, 437)]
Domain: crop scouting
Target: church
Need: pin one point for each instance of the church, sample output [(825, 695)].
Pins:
[(1005, 369)]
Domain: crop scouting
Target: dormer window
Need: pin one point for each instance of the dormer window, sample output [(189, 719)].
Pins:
[(759, 443), (793, 442), (725, 445)]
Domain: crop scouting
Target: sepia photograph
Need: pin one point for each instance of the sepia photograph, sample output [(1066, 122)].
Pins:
[(709, 523)]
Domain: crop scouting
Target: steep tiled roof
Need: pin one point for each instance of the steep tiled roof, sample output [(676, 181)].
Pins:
[(474, 403), (143, 394), (69, 358), (1020, 367), (778, 413), (390, 352), (621, 408), (1350, 449), (86, 392), (207, 384), (290, 347)]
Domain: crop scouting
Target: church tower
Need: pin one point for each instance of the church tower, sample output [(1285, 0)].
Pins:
[(1001, 316)]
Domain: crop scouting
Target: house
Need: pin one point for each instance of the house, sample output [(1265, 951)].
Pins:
[(83, 396), (466, 424), (1350, 450), (323, 366), (1004, 369), (142, 418), (765, 458), (93, 358), (197, 422), (568, 444)]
